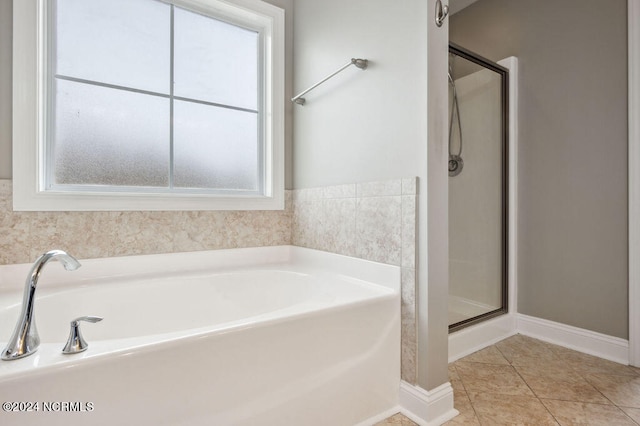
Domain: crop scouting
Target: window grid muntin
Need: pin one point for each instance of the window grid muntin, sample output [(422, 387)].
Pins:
[(171, 89), (49, 149)]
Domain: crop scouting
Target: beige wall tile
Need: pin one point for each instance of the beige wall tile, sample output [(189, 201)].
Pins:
[(340, 191), (307, 221), (370, 220), (26, 235), (379, 189), (379, 229), (409, 235), (410, 186), (338, 233), (408, 325)]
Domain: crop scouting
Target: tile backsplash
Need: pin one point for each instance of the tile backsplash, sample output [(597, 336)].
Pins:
[(374, 221), (26, 235)]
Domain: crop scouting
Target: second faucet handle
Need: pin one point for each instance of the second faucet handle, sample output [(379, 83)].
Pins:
[(75, 342)]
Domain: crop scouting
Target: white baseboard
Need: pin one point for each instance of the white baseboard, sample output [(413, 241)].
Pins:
[(480, 336), (427, 408), (589, 342), (471, 339)]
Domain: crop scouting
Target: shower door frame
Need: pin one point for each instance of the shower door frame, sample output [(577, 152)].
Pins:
[(504, 131), (633, 37)]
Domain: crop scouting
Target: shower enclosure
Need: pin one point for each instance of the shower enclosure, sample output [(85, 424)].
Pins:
[(478, 188)]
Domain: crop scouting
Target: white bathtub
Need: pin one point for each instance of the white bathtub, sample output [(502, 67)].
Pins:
[(261, 336)]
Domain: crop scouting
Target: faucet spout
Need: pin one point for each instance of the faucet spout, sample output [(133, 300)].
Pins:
[(25, 339)]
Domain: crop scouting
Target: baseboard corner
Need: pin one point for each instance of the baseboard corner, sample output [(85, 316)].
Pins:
[(582, 340), (427, 408)]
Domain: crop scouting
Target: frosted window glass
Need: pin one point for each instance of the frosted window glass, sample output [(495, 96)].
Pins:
[(121, 42), (110, 137), (215, 147), (215, 61)]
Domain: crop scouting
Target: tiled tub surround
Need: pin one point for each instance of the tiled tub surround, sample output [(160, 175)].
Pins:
[(373, 221), (26, 235)]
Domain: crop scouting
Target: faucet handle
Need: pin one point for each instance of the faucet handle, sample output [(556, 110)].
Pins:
[(75, 342), (88, 319)]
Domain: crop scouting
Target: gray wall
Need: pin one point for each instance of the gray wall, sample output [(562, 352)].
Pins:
[(6, 100), (572, 151)]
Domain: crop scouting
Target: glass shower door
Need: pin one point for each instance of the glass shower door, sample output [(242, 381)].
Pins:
[(478, 188)]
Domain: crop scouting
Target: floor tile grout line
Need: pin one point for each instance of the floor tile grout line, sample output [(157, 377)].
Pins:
[(580, 402), (502, 353), (584, 375), (535, 395), (568, 399), (625, 413), (549, 411), (598, 389), (600, 392), (466, 392)]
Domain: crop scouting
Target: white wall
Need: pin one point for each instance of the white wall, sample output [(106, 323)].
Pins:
[(360, 125), (372, 125)]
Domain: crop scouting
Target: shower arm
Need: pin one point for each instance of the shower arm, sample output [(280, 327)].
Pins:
[(359, 63)]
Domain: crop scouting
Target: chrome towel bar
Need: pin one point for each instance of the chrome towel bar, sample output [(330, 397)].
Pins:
[(359, 63)]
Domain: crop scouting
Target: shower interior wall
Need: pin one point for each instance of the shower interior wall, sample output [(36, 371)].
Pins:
[(475, 199)]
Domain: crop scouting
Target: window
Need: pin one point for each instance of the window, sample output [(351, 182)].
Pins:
[(148, 105)]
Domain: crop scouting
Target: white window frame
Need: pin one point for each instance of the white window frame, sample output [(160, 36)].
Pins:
[(29, 118)]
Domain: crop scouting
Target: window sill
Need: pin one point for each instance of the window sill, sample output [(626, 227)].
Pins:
[(24, 200)]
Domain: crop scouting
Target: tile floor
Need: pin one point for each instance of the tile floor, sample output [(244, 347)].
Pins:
[(524, 381), (397, 420)]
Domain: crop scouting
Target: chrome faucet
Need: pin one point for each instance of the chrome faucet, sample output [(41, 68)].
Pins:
[(25, 339)]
